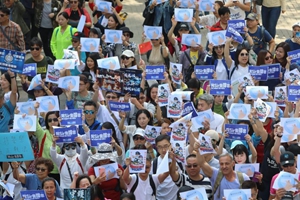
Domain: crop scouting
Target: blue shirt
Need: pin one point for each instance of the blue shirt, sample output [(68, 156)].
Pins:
[(257, 39), (5, 116)]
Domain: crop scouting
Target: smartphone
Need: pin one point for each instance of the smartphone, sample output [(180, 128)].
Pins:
[(298, 34), (101, 172), (254, 179)]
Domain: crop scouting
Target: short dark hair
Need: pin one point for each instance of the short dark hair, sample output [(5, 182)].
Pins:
[(161, 138), (36, 41), (128, 196), (47, 116), (223, 10), (46, 161), (64, 14), (48, 179), (5, 10), (80, 177), (90, 103), (83, 78), (191, 156), (249, 185), (194, 83), (111, 92)]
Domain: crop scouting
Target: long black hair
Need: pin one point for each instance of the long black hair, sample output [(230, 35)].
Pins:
[(108, 125), (237, 54)]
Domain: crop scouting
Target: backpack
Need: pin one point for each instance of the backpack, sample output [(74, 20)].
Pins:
[(151, 184), (11, 121), (154, 166), (190, 70), (57, 33), (219, 179), (167, 60)]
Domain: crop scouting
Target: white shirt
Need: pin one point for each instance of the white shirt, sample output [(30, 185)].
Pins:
[(238, 72), (221, 71), (217, 123), (236, 12)]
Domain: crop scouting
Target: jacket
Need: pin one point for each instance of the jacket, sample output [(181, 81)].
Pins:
[(38, 12), (17, 12)]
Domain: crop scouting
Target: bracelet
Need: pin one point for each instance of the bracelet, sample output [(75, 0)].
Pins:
[(12, 77)]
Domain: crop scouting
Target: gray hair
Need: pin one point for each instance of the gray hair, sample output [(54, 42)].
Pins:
[(208, 98), (226, 155)]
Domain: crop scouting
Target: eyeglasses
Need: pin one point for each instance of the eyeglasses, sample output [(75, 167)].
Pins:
[(192, 166), (288, 165), (163, 147), (89, 112), (70, 147), (75, 41), (111, 97), (52, 119), (73, 2), (40, 169), (138, 138), (125, 57), (126, 35), (244, 54), (35, 48), (268, 58)]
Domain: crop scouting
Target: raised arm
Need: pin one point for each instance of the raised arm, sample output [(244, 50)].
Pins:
[(173, 172), (257, 125), (127, 179), (171, 31), (227, 56), (206, 168), (16, 175), (252, 148), (14, 89), (275, 152)]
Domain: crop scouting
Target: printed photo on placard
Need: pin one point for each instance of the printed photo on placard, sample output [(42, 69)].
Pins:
[(179, 131), (77, 194), (293, 92), (206, 5), (179, 150), (292, 76), (246, 80), (155, 72), (206, 115), (89, 44), (286, 180), (196, 194), (48, 103), (174, 108), (183, 15), (69, 82), (70, 117), (131, 81), (192, 40), (29, 69), (104, 6), (259, 73), (110, 80), (64, 64), (236, 131), (248, 168), (291, 126), (26, 123), (255, 92), (263, 109), (280, 95), (151, 132), (220, 87), (71, 54), (111, 63), (138, 161), (237, 194), (26, 107), (187, 4), (175, 70), (163, 94), (109, 171), (205, 144), (52, 75), (217, 38), (98, 137), (186, 95), (153, 32), (36, 81), (273, 71), (204, 72), (239, 111), (113, 36)]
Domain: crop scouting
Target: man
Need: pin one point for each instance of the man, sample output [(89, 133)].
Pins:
[(225, 178), (221, 25), (11, 36), (90, 113), (259, 34), (167, 189)]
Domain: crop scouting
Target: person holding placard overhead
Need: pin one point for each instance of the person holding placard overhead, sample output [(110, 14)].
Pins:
[(238, 8)]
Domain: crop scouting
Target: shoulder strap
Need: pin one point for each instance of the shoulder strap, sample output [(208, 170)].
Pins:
[(62, 163), (224, 107), (71, 33), (148, 54), (154, 166), (240, 177), (152, 185), (135, 184), (232, 72), (167, 60), (7, 108), (217, 183), (80, 165), (188, 57), (69, 170), (42, 146), (56, 32), (9, 40)]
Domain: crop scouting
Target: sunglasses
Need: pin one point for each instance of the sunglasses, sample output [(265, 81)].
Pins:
[(268, 58), (35, 48), (40, 169), (288, 165), (244, 54), (111, 97), (75, 41), (125, 57), (138, 138), (89, 112), (70, 147), (73, 2), (54, 120), (192, 166)]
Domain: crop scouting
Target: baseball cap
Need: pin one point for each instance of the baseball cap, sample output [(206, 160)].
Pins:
[(77, 35), (287, 158), (184, 26), (252, 16), (140, 132), (214, 135), (128, 53), (234, 143), (296, 24)]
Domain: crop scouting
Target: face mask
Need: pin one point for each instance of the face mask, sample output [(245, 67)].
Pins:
[(71, 152)]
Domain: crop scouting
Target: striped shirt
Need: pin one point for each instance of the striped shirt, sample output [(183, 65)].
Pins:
[(203, 183), (14, 32)]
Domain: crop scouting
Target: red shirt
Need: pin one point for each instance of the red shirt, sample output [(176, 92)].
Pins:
[(88, 19), (260, 146), (109, 187), (216, 27)]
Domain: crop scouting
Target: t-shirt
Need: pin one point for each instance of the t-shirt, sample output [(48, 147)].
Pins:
[(143, 190), (217, 123), (236, 12), (194, 57), (273, 191), (79, 100), (221, 70), (225, 184), (257, 39), (5, 116), (293, 45), (41, 66), (34, 183), (238, 72)]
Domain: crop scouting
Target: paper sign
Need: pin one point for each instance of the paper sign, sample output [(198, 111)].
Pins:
[(188, 107), (295, 56), (273, 70), (234, 34), (151, 132), (273, 107), (199, 193), (52, 74), (160, 1), (288, 138), (204, 72), (69, 82), (237, 194), (206, 5), (293, 93), (70, 54), (205, 144), (220, 87), (100, 136), (163, 94), (183, 15), (132, 81), (164, 165), (187, 4), (292, 76), (110, 80), (71, 117), (29, 69), (206, 115), (104, 6), (109, 170), (48, 103), (174, 108), (291, 126), (263, 109), (65, 134), (175, 70), (26, 107), (255, 92), (33, 194), (138, 161), (247, 168), (15, 147), (77, 194), (27, 123), (179, 131), (111, 63), (119, 106), (179, 150), (259, 73), (8, 187), (236, 131), (64, 64), (217, 38), (237, 24), (286, 181), (113, 36), (90, 44), (153, 32), (155, 72), (192, 40), (81, 23), (246, 80), (280, 95), (239, 111), (13, 60), (186, 95), (36, 81)]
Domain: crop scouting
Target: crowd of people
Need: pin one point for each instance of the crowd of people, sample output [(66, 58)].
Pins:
[(47, 28)]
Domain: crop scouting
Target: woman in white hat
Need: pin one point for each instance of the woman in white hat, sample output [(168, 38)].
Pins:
[(128, 60), (294, 42)]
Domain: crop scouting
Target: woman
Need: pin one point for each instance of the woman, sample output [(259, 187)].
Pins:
[(152, 96), (45, 15), (75, 11), (5, 83), (165, 127), (281, 55), (49, 186), (112, 188), (43, 167), (241, 154), (159, 55), (128, 60), (62, 36), (294, 42), (91, 64)]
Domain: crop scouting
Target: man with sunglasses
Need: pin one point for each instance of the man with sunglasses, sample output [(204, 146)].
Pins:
[(90, 114)]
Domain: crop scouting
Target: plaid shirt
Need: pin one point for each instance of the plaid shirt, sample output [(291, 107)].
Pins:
[(14, 32)]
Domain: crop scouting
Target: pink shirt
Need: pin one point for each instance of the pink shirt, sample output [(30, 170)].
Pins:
[(273, 191)]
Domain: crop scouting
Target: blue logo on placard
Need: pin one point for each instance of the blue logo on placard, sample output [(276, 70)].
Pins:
[(257, 92), (69, 82), (194, 194), (206, 5), (202, 117), (247, 169), (218, 38), (47, 104), (286, 181), (292, 126), (183, 15), (238, 111), (103, 6), (153, 32), (27, 108), (89, 45), (25, 123), (113, 36), (191, 40), (234, 195), (109, 63)]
